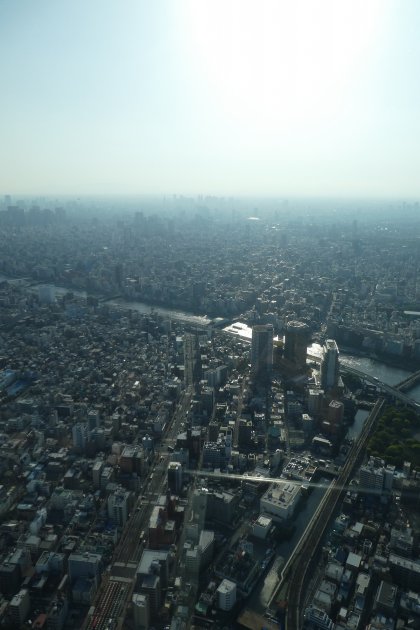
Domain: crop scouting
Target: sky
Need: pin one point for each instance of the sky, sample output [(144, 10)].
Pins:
[(224, 97)]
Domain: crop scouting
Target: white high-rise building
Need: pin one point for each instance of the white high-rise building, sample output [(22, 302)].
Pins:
[(330, 365), (226, 595)]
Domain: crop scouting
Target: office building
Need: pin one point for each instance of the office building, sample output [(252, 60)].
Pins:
[(141, 611), (175, 477), (330, 365), (80, 435), (119, 505), (85, 565), (19, 607), (57, 613), (226, 594), (296, 343), (152, 576), (262, 350), (280, 500)]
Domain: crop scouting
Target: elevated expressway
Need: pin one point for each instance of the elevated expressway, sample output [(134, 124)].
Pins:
[(302, 563)]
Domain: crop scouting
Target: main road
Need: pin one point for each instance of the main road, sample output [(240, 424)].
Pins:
[(114, 594)]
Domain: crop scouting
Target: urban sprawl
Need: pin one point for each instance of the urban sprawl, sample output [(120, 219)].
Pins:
[(186, 441)]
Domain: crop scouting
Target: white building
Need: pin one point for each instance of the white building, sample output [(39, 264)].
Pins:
[(329, 365), (262, 527), (226, 594), (280, 500), (375, 477)]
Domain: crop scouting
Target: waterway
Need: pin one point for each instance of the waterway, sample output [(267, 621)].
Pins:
[(141, 307), (383, 372)]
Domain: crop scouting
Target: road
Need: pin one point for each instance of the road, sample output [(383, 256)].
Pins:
[(114, 594)]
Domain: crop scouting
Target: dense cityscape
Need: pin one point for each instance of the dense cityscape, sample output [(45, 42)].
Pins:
[(209, 415)]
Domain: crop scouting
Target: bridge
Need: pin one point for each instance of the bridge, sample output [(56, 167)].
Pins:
[(409, 382), (395, 392)]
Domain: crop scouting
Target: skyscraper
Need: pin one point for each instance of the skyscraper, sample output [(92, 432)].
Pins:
[(262, 350), (296, 343), (329, 365)]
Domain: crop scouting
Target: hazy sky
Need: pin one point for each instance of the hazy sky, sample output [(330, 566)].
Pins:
[(264, 97)]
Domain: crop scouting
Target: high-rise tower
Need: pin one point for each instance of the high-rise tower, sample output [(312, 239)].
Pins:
[(262, 350), (296, 343), (330, 365)]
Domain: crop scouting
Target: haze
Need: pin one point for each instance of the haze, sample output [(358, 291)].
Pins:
[(222, 97)]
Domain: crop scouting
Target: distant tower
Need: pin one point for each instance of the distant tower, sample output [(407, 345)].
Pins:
[(296, 343), (330, 365), (262, 350)]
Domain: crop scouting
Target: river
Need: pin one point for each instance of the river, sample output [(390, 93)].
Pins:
[(383, 372), (141, 307)]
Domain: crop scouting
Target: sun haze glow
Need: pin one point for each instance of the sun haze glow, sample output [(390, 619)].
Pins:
[(239, 97)]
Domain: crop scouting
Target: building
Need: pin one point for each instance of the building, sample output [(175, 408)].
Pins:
[(261, 527), (199, 506), (318, 619), (57, 613), (374, 477), (175, 477), (226, 595), (152, 576), (296, 343), (80, 435), (119, 506), (19, 607), (214, 455), (315, 400), (335, 414), (262, 350), (141, 611), (330, 367), (280, 500), (84, 565)]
